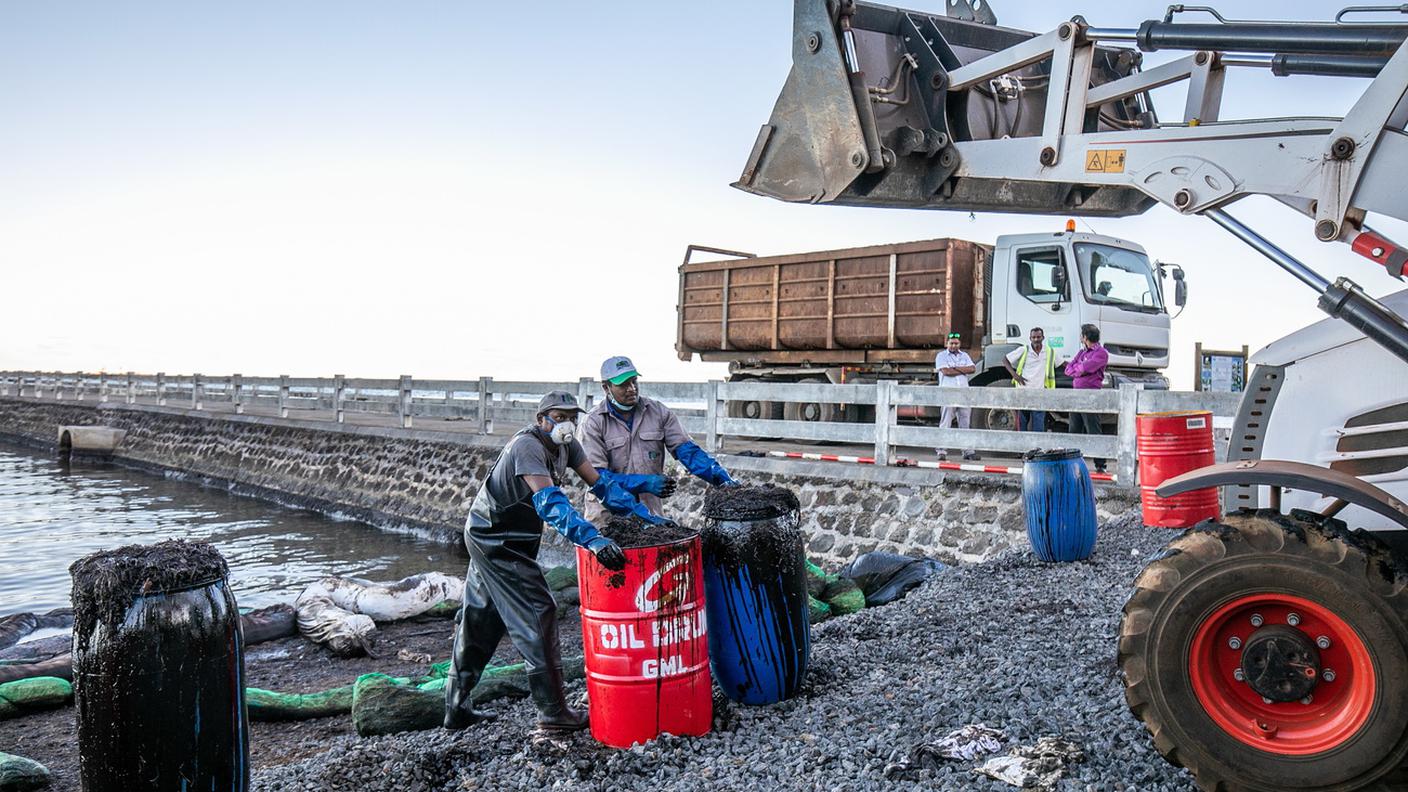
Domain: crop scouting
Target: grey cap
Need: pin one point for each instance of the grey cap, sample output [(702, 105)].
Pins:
[(617, 370), (558, 400)]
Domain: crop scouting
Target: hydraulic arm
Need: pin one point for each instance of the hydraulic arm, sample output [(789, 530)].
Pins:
[(892, 107)]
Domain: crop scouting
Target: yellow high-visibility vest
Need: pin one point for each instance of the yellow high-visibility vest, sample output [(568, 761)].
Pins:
[(1050, 365)]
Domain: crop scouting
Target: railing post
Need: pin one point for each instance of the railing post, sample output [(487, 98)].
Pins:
[(4, 385), (339, 391), (283, 395), (712, 409), (1128, 457), (486, 422), (584, 392), (161, 388), (404, 403), (79, 381), (59, 387), (884, 419), (103, 387), (131, 388), (237, 383), (197, 393)]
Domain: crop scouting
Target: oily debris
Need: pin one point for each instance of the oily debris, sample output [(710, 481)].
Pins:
[(773, 545), (749, 502), (106, 583), (635, 532)]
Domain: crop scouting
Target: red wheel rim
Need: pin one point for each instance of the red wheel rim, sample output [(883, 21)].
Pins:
[(1339, 706)]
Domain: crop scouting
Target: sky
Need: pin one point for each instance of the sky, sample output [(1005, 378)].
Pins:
[(456, 190)]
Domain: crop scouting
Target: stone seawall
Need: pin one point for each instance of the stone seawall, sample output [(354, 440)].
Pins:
[(423, 480)]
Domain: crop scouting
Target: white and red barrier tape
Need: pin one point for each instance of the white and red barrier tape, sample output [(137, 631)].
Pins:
[(966, 467)]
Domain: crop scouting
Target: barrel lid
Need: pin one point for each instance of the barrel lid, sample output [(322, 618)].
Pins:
[(1051, 454), (106, 583), (762, 502)]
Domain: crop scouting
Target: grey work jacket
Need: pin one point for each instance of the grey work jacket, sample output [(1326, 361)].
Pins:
[(637, 449)]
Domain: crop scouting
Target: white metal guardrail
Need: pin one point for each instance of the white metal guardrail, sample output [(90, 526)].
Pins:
[(702, 406)]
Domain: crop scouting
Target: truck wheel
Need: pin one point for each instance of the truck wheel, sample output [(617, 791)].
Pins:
[(762, 410), (814, 411), (1270, 652)]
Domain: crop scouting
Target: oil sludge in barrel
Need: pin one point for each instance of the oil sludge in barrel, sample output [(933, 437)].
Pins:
[(756, 586), (158, 671)]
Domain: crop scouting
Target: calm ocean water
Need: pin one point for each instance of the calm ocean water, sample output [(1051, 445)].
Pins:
[(52, 514)]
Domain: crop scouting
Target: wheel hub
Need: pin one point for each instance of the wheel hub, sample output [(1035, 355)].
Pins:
[(1281, 663)]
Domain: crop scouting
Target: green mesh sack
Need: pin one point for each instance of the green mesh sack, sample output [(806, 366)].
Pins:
[(445, 609), (844, 597), (268, 705), (816, 579), (386, 705), (560, 578), (18, 774), (32, 695), (817, 611)]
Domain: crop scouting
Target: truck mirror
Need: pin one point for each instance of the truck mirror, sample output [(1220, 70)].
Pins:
[(1058, 281), (1180, 292)]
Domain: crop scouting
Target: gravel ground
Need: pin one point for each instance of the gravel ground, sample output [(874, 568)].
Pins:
[(1019, 645)]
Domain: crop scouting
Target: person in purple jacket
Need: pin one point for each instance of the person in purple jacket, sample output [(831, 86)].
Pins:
[(1087, 371)]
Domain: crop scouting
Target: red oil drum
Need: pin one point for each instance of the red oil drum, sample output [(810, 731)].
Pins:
[(1170, 444), (646, 644)]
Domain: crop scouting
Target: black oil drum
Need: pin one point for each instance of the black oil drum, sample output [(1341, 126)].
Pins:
[(755, 585), (158, 671)]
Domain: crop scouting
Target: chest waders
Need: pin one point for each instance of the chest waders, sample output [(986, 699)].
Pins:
[(505, 593)]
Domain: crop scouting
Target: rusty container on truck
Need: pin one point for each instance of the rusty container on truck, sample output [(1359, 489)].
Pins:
[(884, 303)]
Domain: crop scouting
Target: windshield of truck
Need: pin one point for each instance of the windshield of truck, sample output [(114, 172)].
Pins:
[(1118, 277)]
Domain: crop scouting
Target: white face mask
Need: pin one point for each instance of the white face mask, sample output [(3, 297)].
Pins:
[(562, 432)]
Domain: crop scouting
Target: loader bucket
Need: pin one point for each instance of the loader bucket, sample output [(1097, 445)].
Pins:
[(866, 117)]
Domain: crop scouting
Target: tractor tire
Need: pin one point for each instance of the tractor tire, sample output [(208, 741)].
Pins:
[(1333, 606)]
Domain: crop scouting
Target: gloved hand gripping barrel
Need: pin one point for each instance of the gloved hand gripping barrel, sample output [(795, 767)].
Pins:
[(644, 636), (756, 582), (158, 671)]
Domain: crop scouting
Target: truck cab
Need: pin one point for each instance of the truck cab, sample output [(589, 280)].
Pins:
[(1061, 281)]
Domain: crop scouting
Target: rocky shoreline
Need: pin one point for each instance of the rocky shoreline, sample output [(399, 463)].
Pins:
[(1016, 644)]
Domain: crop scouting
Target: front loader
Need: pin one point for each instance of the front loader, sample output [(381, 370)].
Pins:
[(1267, 650)]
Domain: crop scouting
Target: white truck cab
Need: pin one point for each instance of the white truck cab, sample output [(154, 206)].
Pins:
[(1061, 281)]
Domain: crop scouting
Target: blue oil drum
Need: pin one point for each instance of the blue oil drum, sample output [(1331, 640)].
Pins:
[(158, 671), (755, 590), (1060, 504)]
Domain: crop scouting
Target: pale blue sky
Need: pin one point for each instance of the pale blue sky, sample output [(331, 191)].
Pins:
[(457, 190)]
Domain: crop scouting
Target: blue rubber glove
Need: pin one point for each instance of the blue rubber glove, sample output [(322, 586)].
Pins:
[(699, 463), (608, 553), (618, 501), (638, 483), (552, 506)]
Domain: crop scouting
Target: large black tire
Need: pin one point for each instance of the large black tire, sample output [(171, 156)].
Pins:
[(815, 411), (1264, 553)]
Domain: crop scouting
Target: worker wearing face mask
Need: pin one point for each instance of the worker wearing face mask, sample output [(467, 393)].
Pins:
[(626, 436), (504, 588)]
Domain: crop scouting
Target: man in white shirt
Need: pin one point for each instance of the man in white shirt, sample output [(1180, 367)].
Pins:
[(1033, 366), (952, 367)]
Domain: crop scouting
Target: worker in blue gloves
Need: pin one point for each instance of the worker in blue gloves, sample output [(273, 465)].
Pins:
[(504, 588), (626, 435)]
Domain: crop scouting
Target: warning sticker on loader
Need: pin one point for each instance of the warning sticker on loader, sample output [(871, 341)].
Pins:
[(1104, 161)]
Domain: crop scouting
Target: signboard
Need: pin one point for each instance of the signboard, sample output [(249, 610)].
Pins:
[(1220, 371)]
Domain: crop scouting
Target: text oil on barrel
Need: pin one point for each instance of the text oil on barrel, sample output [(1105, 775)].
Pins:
[(755, 581), (1059, 502), (1171, 444), (645, 639)]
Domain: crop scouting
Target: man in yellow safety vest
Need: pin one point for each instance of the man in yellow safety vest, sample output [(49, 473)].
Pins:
[(1033, 366)]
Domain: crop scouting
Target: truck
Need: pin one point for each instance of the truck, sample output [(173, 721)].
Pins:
[(883, 312)]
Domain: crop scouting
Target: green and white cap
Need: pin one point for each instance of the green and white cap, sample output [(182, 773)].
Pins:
[(617, 370)]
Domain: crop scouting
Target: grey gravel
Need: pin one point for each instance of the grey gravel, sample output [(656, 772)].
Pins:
[(1022, 646)]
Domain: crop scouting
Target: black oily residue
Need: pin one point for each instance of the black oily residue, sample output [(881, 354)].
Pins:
[(775, 540), (631, 532), (749, 503), (616, 580), (106, 583)]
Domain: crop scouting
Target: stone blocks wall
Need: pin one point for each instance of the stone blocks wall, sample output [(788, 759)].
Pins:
[(426, 480)]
